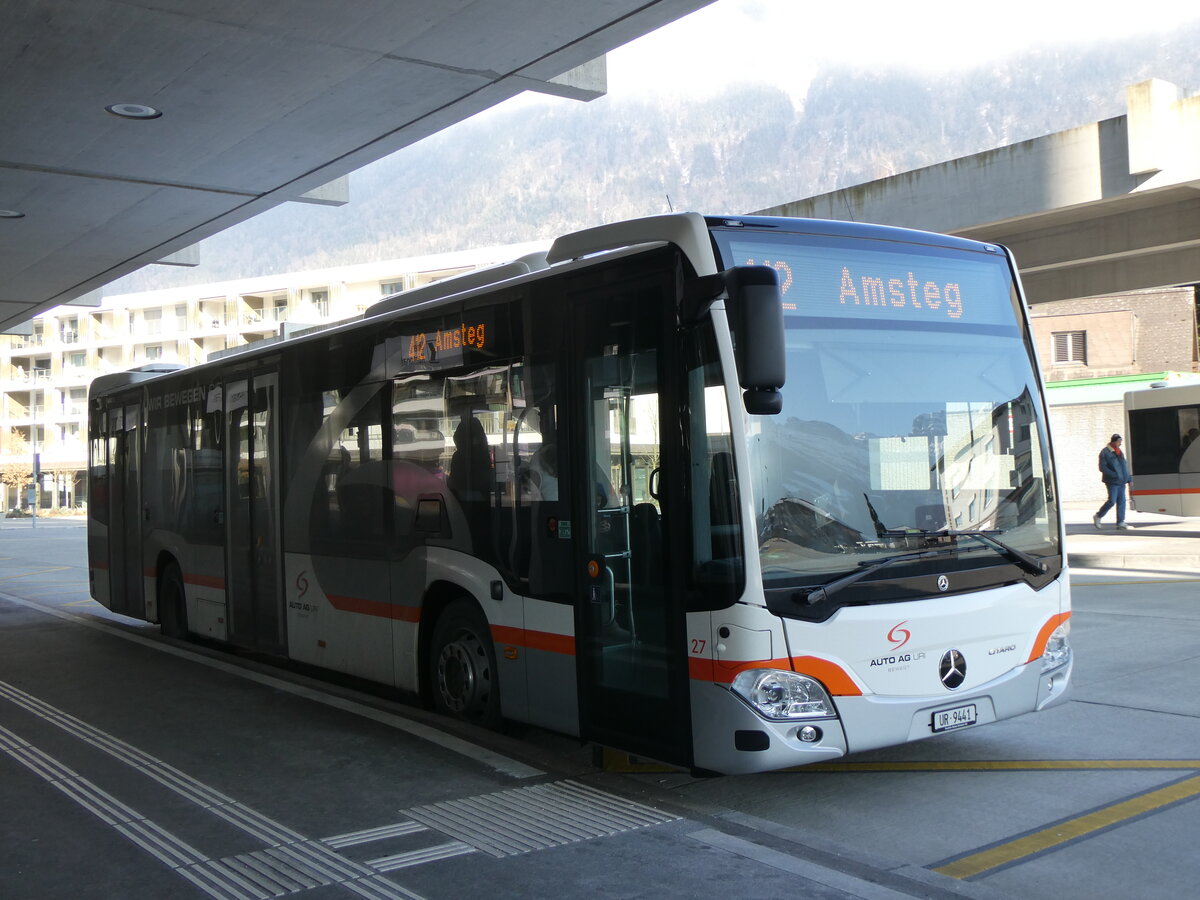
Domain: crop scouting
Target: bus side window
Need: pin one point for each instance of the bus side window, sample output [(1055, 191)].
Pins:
[(420, 450), (352, 496), (540, 556), (717, 564), (98, 469)]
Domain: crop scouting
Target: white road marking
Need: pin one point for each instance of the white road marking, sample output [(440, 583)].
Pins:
[(497, 761), (227, 879)]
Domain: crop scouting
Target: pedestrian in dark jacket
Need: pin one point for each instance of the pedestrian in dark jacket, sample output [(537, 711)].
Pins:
[(1114, 472)]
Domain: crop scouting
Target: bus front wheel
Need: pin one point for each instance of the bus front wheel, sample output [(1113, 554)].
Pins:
[(462, 666), (172, 606)]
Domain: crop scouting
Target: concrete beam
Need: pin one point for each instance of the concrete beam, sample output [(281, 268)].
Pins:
[(585, 83), (333, 193), (188, 256)]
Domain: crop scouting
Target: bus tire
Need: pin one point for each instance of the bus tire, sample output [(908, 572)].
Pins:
[(172, 605), (462, 666)]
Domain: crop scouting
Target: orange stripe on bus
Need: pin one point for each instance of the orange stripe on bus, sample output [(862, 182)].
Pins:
[(210, 581), (833, 676), (379, 608), (1159, 491), (534, 640), (1039, 645)]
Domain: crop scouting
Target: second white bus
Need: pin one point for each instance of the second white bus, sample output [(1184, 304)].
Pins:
[(1162, 427)]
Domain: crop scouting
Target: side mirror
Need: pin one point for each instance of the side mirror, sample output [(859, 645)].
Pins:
[(755, 309)]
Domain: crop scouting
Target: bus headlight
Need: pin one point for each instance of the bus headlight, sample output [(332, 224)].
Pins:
[(1058, 649), (779, 694)]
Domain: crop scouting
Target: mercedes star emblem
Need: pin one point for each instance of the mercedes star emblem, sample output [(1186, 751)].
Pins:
[(943, 583), (953, 669)]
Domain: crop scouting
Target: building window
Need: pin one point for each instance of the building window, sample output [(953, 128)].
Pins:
[(154, 351), (1070, 347), (320, 299), (387, 288)]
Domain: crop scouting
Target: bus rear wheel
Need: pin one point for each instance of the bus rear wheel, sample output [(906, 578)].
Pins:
[(172, 607), (462, 666)]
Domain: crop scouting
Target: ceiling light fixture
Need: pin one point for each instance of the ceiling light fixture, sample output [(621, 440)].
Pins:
[(11, 214), (134, 111)]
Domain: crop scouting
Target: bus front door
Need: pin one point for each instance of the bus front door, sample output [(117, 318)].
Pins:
[(629, 618), (252, 541)]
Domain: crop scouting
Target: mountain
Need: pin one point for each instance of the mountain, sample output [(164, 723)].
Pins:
[(535, 171)]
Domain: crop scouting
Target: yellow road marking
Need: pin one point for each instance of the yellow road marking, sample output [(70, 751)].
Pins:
[(71, 583), (36, 572), (627, 763), (1071, 830), (999, 765)]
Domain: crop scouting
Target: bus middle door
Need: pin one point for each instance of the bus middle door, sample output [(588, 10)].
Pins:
[(252, 541)]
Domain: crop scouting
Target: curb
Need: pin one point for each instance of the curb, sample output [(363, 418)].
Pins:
[(1136, 561)]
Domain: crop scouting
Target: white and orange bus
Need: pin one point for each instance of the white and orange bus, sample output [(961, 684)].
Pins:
[(732, 493), (1162, 427)]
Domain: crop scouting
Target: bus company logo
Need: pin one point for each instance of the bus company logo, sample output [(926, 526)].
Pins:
[(301, 584), (899, 635), (952, 669)]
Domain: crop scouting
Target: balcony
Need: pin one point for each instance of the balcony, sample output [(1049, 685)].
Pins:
[(21, 375), (23, 342)]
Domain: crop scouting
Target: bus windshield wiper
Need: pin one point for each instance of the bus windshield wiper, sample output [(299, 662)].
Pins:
[(988, 538), (1029, 563), (825, 591)]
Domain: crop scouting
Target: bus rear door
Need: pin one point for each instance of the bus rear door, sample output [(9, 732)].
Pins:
[(125, 522)]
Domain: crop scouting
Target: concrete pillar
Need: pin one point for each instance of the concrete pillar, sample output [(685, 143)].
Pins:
[(1153, 121)]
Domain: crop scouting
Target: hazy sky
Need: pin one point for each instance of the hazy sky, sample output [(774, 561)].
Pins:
[(782, 41)]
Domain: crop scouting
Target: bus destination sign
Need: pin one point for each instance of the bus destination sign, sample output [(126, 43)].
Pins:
[(438, 344), (434, 347), (867, 282)]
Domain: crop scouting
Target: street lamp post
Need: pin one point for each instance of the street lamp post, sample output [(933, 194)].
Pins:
[(37, 467)]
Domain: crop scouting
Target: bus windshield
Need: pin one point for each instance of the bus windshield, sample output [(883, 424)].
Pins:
[(911, 412)]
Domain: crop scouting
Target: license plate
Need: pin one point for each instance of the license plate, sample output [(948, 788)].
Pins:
[(958, 717)]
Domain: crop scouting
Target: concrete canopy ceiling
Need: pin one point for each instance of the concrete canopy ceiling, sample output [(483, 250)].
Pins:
[(262, 102)]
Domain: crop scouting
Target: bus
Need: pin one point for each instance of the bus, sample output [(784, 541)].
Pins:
[(734, 494), (1162, 424)]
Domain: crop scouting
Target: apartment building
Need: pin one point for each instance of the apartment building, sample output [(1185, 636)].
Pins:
[(44, 377)]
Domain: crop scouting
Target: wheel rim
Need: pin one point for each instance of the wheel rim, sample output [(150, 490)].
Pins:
[(463, 674)]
